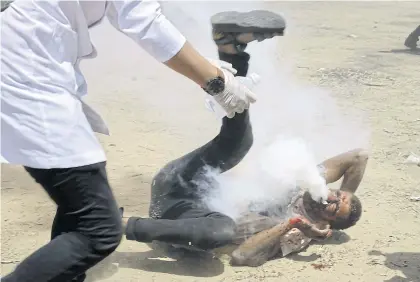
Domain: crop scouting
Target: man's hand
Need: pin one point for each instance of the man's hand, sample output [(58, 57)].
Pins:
[(310, 230), (222, 65), (236, 96)]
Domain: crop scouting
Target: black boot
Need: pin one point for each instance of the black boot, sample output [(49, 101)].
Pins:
[(236, 29)]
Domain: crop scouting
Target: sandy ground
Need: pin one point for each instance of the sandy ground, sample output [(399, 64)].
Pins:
[(353, 49)]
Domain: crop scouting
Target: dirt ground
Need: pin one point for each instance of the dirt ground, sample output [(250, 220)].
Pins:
[(354, 49)]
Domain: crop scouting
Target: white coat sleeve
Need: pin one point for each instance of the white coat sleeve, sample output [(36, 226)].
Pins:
[(144, 22)]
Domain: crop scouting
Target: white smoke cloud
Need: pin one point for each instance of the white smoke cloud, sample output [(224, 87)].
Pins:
[(295, 126)]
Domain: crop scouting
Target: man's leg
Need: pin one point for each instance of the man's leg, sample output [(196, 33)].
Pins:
[(177, 217), (232, 32), (198, 227), (87, 227), (350, 165), (226, 150), (181, 221), (60, 226)]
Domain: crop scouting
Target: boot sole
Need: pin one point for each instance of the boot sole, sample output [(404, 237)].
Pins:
[(259, 21)]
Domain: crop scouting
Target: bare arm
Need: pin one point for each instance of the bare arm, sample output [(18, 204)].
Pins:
[(144, 22), (265, 245), (350, 165), (192, 65), (261, 247)]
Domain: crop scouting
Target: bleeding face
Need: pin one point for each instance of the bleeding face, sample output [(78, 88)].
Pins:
[(339, 205)]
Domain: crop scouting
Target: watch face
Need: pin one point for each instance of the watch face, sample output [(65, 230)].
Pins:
[(215, 86)]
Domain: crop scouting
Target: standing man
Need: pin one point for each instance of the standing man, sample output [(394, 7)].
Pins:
[(47, 128)]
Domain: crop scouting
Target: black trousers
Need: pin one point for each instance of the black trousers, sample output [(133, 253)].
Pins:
[(86, 229), (177, 214)]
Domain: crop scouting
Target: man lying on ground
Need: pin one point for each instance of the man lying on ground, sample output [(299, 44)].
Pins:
[(177, 214), (260, 241)]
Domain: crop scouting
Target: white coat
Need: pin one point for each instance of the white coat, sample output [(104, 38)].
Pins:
[(44, 123)]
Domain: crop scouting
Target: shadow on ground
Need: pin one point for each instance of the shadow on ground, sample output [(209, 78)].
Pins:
[(162, 259), (337, 238), (407, 263), (403, 51), (182, 263)]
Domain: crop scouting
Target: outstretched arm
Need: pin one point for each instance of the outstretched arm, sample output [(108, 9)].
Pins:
[(144, 22), (350, 165)]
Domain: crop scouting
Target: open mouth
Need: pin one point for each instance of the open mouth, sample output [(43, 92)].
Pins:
[(332, 206)]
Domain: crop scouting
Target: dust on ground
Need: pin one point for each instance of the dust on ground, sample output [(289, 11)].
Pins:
[(355, 49)]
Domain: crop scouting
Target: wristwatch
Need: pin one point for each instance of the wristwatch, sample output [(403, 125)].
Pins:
[(215, 86)]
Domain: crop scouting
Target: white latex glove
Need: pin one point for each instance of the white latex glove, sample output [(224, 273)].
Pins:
[(223, 65), (237, 96)]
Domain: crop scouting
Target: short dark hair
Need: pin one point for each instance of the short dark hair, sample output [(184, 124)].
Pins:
[(355, 213)]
